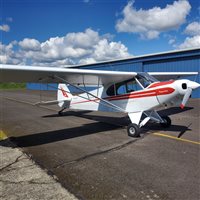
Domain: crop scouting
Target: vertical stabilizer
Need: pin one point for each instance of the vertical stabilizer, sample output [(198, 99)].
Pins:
[(64, 96)]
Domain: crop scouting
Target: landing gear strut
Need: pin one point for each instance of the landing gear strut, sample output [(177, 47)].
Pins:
[(166, 122), (133, 129)]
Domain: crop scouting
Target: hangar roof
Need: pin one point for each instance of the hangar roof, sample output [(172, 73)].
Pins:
[(147, 57)]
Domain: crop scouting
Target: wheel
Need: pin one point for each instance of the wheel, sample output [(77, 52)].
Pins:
[(167, 122), (133, 130)]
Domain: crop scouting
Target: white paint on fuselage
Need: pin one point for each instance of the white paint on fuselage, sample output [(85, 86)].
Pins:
[(129, 104)]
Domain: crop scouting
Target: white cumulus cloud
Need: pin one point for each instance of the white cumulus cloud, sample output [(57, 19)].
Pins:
[(73, 48), (82, 39), (150, 23), (190, 42), (8, 55), (193, 28), (193, 41), (5, 28), (30, 44), (105, 50), (172, 41)]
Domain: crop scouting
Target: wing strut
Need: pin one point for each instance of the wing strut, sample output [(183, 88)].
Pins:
[(103, 100)]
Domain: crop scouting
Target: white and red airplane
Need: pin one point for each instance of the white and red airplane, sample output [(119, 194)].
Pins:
[(137, 94)]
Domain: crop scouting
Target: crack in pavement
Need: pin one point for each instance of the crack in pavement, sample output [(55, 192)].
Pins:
[(17, 168), (116, 148), (29, 182), (14, 162)]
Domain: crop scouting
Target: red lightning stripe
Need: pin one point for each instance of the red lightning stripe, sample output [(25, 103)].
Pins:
[(160, 84), (156, 92)]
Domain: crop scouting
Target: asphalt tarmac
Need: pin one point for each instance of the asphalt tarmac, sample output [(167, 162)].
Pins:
[(92, 156)]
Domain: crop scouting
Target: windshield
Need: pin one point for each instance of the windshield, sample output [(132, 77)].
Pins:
[(145, 79)]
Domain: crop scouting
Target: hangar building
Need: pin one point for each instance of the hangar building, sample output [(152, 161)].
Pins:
[(172, 61)]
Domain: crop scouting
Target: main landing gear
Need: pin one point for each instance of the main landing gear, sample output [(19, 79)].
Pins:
[(133, 129)]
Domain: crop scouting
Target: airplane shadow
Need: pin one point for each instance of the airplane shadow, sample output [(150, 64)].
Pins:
[(173, 128), (124, 121), (70, 133), (88, 129), (59, 135), (174, 110), (103, 123), (67, 113), (119, 121)]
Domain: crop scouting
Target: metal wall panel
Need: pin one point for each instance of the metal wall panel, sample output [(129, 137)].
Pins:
[(41, 86), (123, 66), (181, 65)]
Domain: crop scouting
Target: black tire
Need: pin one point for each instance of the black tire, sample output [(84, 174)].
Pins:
[(167, 122), (133, 130)]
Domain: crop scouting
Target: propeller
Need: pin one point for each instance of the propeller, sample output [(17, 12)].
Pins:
[(191, 85), (186, 97)]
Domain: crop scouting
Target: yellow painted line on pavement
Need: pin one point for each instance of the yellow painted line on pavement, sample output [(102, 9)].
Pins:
[(175, 138), (3, 136)]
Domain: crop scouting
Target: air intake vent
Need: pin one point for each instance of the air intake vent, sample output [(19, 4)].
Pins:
[(184, 86)]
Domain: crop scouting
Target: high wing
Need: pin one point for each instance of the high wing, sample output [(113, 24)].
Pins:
[(163, 76), (17, 73)]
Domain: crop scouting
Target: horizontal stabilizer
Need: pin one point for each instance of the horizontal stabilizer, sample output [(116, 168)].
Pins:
[(51, 102)]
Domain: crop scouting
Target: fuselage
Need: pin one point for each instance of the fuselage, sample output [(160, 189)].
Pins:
[(140, 93), (155, 95)]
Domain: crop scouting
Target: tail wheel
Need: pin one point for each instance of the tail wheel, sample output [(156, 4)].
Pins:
[(60, 113), (133, 130), (167, 122)]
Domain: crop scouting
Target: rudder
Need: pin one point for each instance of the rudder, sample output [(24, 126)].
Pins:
[(64, 96)]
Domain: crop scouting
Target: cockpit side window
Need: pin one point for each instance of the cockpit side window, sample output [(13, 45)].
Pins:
[(111, 91), (123, 88), (141, 81), (132, 86)]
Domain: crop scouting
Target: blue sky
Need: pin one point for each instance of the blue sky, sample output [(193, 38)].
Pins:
[(94, 30)]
